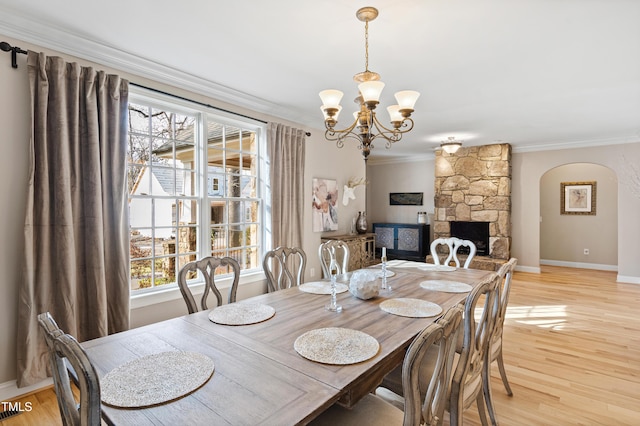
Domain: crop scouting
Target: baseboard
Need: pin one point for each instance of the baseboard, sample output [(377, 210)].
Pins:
[(628, 280), (9, 391), (531, 269), (579, 265)]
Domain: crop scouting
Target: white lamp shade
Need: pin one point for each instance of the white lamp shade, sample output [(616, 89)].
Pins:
[(407, 98), (371, 90), (394, 113), (451, 147), (331, 98), (335, 116)]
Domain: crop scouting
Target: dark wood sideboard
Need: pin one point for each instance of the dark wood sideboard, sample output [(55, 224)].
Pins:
[(408, 241)]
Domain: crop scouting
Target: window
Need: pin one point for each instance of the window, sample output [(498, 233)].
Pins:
[(194, 189)]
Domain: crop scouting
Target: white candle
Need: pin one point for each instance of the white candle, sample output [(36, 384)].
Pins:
[(384, 252)]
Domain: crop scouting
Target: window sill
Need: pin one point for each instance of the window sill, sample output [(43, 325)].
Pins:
[(173, 293)]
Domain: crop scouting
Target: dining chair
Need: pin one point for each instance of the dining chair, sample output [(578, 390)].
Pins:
[(281, 264), (69, 359), (469, 375), (337, 249), (453, 245), (435, 346), (505, 273), (207, 266)]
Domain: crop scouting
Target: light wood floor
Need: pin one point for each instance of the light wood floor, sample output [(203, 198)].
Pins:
[(571, 349)]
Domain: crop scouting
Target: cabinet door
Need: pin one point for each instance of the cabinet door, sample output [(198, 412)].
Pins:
[(385, 236)]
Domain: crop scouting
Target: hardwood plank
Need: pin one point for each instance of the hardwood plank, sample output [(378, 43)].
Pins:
[(571, 350)]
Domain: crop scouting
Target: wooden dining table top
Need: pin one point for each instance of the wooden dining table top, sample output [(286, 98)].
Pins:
[(259, 377)]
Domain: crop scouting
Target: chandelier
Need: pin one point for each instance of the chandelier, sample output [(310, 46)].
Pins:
[(366, 126)]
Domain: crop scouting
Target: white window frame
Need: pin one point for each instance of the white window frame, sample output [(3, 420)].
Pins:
[(169, 292)]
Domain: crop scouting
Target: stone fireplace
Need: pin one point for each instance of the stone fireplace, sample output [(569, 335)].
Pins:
[(474, 185)]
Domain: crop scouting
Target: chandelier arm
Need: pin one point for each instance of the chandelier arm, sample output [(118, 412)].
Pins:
[(331, 132), (391, 135)]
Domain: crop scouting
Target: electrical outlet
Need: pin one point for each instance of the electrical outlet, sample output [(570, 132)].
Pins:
[(586, 251), (312, 272)]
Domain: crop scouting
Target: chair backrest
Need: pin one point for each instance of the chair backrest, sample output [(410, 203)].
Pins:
[(475, 343), (454, 245), (436, 342), (207, 266), (504, 287), (65, 352), (337, 249), (284, 267)]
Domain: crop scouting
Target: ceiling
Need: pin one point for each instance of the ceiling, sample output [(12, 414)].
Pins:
[(539, 74)]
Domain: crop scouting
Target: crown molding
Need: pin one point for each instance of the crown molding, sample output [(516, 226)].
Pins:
[(396, 159), (61, 40), (577, 144)]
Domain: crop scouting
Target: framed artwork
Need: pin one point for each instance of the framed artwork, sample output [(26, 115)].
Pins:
[(325, 205), (578, 198), (405, 198)]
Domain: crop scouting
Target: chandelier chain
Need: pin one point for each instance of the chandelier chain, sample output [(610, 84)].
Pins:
[(366, 46)]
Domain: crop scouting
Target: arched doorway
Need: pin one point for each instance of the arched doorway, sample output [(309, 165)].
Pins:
[(574, 238)]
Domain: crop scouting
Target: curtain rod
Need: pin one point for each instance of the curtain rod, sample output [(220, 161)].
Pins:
[(6, 47), (200, 103)]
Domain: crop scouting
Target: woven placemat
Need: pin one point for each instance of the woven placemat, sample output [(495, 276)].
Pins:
[(408, 307), (322, 287), (241, 313), (438, 268), (334, 345), (446, 286), (155, 379)]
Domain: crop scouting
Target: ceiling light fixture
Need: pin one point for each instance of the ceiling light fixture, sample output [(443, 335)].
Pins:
[(451, 145), (366, 126)]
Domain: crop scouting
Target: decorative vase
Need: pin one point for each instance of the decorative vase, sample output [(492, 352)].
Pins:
[(361, 223)]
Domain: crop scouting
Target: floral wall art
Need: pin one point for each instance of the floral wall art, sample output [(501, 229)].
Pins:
[(325, 205)]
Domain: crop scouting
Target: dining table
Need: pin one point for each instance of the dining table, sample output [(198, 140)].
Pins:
[(260, 374)]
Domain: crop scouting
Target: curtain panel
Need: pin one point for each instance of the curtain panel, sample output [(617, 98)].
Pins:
[(286, 151), (76, 253)]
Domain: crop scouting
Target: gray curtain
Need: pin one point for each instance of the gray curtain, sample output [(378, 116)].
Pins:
[(76, 254), (286, 149)]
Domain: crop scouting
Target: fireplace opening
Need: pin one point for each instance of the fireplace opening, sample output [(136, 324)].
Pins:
[(478, 232)]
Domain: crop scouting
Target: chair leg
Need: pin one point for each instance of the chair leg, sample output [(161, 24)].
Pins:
[(486, 391), (481, 412), (455, 405), (503, 373)]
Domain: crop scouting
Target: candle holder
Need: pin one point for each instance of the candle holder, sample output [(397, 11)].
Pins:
[(385, 285), (333, 305)]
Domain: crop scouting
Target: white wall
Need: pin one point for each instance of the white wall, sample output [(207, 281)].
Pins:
[(323, 159), (528, 169), (406, 176), (563, 238)]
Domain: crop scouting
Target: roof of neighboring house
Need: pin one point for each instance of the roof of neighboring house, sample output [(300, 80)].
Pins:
[(165, 177)]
